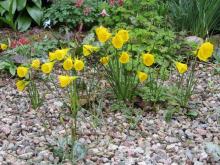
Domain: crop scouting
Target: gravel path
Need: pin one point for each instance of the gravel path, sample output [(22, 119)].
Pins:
[(24, 139)]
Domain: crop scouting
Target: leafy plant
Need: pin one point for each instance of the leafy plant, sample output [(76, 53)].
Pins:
[(198, 17), (150, 31), (20, 14), (67, 13), (9, 66)]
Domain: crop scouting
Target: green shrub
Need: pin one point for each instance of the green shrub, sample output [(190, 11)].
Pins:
[(66, 13), (147, 26), (20, 14)]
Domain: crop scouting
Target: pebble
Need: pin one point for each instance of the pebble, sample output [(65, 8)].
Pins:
[(26, 155)]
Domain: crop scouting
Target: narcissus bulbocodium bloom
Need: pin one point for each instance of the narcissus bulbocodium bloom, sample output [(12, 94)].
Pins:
[(182, 68), (103, 34), (117, 41), (89, 49), (142, 76), (205, 51), (21, 84), (35, 64), (3, 46), (68, 64), (66, 80), (47, 67), (78, 65), (148, 59), (124, 58), (105, 60), (61, 53), (22, 71), (52, 56), (124, 35)]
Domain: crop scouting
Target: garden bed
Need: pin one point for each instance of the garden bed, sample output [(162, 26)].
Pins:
[(25, 139)]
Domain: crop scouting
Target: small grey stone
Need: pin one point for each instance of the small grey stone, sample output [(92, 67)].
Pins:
[(11, 146), (5, 129), (58, 103), (194, 39), (171, 147), (112, 147), (203, 156), (139, 150), (198, 163), (172, 139), (26, 155)]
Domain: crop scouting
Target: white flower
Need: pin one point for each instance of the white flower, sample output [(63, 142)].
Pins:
[(104, 13), (47, 24)]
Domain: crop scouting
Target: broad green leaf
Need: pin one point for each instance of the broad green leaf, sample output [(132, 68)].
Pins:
[(35, 13), (5, 4), (4, 65), (23, 22), (38, 3), (13, 7), (214, 150), (79, 151), (21, 4), (192, 114), (2, 10), (12, 70)]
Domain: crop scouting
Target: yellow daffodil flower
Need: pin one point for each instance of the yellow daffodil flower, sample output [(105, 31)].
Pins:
[(35, 64), (3, 46), (124, 58), (182, 68), (205, 51), (61, 53), (142, 76), (117, 41), (78, 65), (68, 64), (105, 60), (103, 34), (22, 71), (21, 84), (89, 49), (47, 67), (148, 59), (124, 35), (52, 56), (66, 80)]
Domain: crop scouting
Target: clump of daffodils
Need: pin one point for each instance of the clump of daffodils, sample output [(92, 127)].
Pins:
[(116, 59), (186, 88)]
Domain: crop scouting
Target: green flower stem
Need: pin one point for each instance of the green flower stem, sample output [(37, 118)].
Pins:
[(74, 108), (190, 84)]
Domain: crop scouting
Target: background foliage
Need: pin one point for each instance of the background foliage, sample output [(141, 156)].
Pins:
[(19, 14), (67, 13), (198, 17)]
